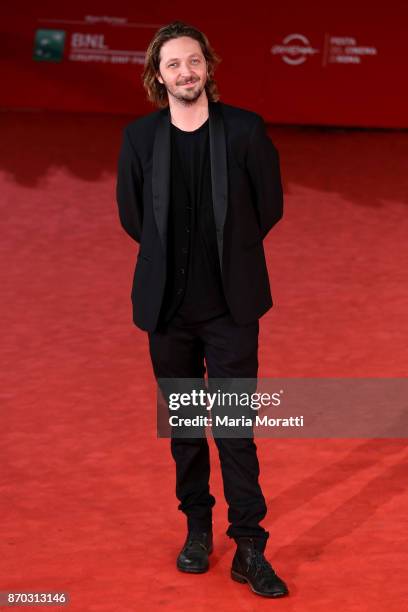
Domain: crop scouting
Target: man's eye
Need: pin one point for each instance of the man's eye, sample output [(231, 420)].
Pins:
[(175, 63)]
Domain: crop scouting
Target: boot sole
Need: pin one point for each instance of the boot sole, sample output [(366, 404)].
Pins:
[(242, 579), (192, 571)]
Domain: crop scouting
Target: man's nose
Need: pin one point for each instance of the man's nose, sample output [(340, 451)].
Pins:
[(185, 71)]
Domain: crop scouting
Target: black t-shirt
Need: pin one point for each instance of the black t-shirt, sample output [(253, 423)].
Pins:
[(194, 287)]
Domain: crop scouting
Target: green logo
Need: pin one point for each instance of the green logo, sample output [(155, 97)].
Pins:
[(49, 45)]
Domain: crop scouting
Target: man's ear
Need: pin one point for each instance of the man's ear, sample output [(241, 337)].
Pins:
[(158, 77)]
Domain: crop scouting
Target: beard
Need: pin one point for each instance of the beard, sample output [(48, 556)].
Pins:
[(188, 97)]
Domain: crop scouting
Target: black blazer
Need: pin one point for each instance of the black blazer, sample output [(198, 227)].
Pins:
[(247, 200)]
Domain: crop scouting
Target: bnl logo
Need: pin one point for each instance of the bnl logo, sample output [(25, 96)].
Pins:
[(49, 45)]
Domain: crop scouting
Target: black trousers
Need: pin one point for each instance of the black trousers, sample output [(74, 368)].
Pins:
[(178, 349)]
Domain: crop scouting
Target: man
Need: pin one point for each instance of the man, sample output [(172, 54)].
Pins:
[(199, 188)]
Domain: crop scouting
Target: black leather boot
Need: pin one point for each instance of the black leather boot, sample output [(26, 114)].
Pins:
[(249, 565), (193, 557)]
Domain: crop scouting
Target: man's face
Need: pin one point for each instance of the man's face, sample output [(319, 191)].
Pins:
[(183, 69)]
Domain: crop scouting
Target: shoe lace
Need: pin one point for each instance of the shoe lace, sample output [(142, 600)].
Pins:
[(262, 564), (195, 539)]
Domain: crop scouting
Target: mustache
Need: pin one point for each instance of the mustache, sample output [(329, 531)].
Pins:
[(188, 81)]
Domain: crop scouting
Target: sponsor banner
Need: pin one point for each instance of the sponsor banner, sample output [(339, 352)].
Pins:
[(296, 64)]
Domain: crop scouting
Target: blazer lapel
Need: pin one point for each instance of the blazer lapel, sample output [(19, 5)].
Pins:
[(219, 177), (161, 175)]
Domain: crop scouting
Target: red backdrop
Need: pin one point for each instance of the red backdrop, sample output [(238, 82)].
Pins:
[(299, 63)]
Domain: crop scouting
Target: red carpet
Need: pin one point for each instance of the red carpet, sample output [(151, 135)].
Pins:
[(88, 503)]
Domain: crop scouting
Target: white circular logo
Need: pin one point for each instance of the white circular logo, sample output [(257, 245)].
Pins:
[(294, 49)]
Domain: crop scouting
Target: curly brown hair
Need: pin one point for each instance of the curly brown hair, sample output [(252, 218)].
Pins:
[(156, 91)]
